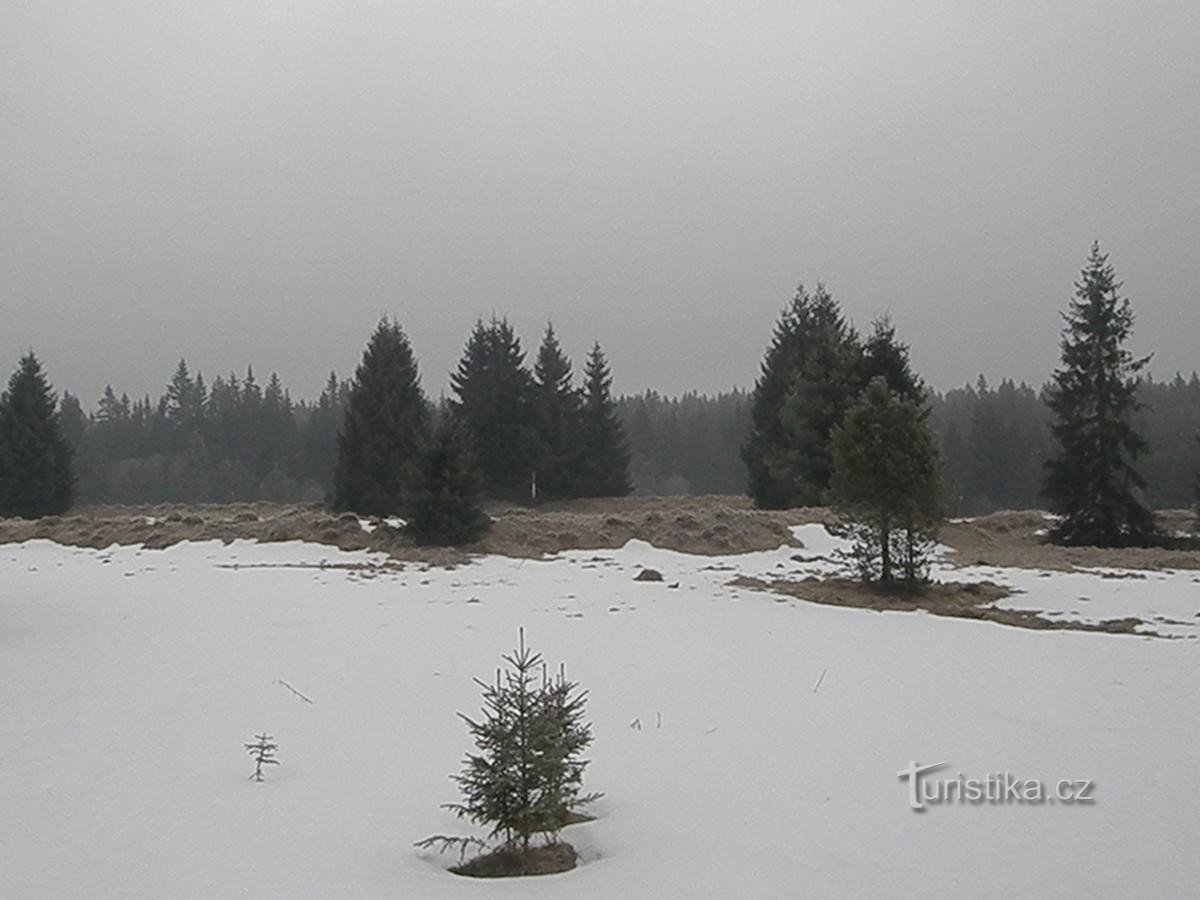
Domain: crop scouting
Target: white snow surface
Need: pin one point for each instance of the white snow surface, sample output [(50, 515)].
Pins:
[(369, 525), (747, 744)]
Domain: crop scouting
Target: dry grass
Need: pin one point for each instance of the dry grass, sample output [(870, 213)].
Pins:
[(705, 525), (1011, 540), (952, 599), (710, 525)]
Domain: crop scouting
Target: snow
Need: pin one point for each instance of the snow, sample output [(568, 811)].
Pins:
[(369, 525), (1167, 601), (765, 765)]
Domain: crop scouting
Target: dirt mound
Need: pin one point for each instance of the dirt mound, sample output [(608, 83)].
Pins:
[(514, 862)]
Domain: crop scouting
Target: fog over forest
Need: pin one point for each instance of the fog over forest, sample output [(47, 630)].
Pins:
[(257, 183)]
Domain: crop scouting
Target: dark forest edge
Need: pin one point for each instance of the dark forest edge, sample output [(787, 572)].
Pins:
[(260, 444)]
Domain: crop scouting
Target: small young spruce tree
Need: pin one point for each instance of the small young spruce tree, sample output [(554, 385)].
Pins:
[(262, 751), (527, 774)]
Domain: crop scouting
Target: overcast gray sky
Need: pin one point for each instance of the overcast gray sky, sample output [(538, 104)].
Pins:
[(250, 182)]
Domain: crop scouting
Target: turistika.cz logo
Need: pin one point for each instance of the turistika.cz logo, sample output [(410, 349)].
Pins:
[(996, 788)]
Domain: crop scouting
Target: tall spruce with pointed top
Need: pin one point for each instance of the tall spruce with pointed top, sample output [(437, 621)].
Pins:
[(603, 470), (494, 399), (447, 508), (1092, 480), (885, 357), (384, 428), (808, 379), (824, 383), (36, 474), (557, 410)]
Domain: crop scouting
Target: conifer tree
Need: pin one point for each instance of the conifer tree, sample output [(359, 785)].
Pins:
[(884, 356), (1092, 481), (556, 416), (824, 384), (885, 478), (604, 468), (528, 773), (77, 431), (447, 507), (319, 434), (184, 404), (262, 751), (36, 474), (806, 383), (385, 427), (495, 400)]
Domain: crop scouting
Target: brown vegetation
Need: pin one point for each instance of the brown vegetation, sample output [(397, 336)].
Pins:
[(705, 525), (953, 599), (1012, 539), (712, 525)]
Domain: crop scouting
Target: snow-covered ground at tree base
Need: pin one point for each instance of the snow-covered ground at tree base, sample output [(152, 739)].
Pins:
[(747, 743)]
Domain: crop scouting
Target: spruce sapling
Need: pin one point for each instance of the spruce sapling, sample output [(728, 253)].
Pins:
[(262, 751)]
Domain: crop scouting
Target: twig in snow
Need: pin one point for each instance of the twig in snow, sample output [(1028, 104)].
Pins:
[(444, 842), (294, 691), (817, 686)]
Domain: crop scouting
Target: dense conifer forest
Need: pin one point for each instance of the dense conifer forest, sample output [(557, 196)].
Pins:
[(233, 439)]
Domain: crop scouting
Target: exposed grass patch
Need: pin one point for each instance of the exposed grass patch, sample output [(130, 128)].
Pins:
[(952, 599)]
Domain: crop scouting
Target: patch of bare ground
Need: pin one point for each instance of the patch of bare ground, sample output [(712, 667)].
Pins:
[(703, 525), (1012, 539), (953, 599), (510, 862), (709, 525)]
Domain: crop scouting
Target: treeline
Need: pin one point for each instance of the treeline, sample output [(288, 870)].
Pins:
[(234, 440), (686, 445), (198, 443), (995, 443)]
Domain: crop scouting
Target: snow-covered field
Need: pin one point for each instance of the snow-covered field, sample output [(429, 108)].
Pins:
[(748, 744)]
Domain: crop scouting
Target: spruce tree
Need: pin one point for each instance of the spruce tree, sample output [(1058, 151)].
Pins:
[(807, 381), (494, 392), (384, 428), (528, 773), (885, 478), (603, 470), (447, 508), (884, 356), (556, 417), (184, 405), (1092, 481), (823, 386), (36, 475)]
